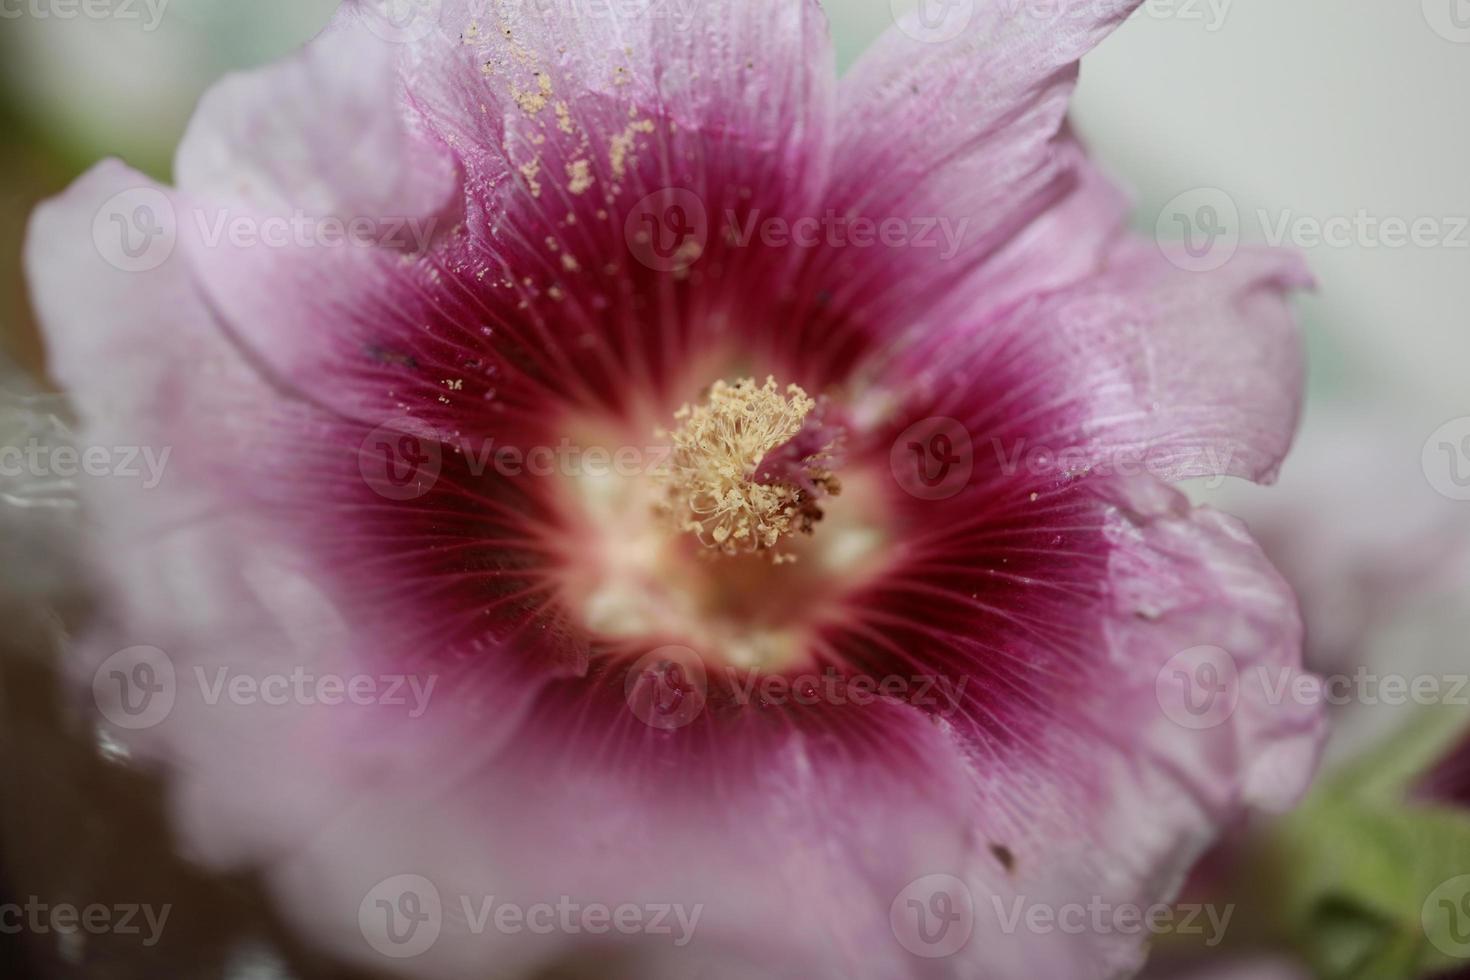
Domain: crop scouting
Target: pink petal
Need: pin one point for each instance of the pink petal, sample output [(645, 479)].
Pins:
[(969, 128), (1143, 368)]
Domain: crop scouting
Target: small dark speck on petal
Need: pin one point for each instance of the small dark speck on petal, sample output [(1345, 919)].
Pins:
[(384, 356), (1004, 856)]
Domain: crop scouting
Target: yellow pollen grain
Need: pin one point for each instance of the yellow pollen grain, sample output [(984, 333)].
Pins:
[(622, 145), (533, 101), (563, 117), (529, 171), (580, 172)]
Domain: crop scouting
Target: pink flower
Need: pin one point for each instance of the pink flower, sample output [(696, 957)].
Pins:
[(845, 668)]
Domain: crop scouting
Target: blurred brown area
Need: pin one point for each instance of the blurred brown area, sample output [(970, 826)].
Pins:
[(29, 173), (79, 828)]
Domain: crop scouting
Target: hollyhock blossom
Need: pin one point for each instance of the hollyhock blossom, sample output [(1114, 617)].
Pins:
[(865, 627)]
